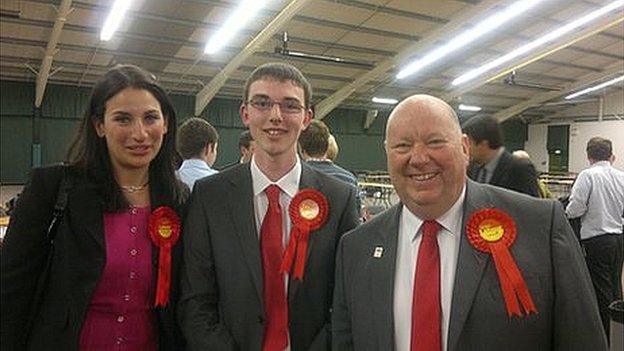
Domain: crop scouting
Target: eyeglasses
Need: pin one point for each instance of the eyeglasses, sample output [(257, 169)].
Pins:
[(286, 106)]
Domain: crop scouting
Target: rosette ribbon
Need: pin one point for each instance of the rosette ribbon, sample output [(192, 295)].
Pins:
[(308, 211), (164, 230), (494, 231)]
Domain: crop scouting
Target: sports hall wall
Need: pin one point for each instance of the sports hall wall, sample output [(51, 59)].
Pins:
[(580, 131), (62, 108)]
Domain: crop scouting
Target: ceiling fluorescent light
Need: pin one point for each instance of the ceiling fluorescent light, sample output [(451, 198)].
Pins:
[(597, 87), (471, 108), (468, 36), (245, 11), (538, 42), (386, 101), (115, 16)]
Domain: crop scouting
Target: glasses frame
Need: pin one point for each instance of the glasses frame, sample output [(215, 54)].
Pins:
[(272, 103)]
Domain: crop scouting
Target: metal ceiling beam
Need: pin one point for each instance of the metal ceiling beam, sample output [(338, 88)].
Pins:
[(92, 30), (212, 88), (150, 57), (360, 29), (391, 11), (536, 55), (352, 3), (46, 63), (327, 105), (200, 24), (544, 97), (271, 13)]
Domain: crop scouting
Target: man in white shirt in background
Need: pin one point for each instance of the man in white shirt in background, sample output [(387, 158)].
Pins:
[(598, 198), (197, 143)]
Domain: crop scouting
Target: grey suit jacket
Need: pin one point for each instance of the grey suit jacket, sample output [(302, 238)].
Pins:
[(221, 307), (545, 251)]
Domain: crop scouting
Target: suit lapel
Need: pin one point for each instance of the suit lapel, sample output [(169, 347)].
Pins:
[(308, 180), (242, 212), (381, 278), (470, 267), (85, 211)]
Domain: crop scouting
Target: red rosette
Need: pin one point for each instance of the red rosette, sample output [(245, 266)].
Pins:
[(494, 231), (164, 230), (308, 211)]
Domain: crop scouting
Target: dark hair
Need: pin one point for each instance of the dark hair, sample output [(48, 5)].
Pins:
[(245, 139), (599, 149), (89, 155), (314, 140), (193, 136), (281, 72), (484, 128)]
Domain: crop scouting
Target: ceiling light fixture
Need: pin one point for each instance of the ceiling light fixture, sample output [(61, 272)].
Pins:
[(552, 35), (115, 16), (245, 11), (597, 87), (470, 108), (487, 25), (386, 101)]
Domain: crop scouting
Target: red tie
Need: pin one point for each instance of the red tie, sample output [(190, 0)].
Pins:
[(426, 310), (275, 307)]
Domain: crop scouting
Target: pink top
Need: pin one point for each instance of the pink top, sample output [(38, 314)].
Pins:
[(120, 316)]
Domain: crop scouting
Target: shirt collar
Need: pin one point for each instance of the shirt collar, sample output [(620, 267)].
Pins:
[(195, 163), (601, 164), (318, 159), (448, 220), (289, 183), (491, 166)]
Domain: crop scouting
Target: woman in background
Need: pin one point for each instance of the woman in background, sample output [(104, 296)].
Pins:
[(104, 274)]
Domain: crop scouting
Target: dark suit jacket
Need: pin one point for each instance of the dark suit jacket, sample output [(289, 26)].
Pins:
[(222, 305), (545, 251), (76, 268), (512, 173)]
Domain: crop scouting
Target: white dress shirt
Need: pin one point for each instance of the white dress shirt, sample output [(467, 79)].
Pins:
[(192, 170), (289, 185), (597, 197), (407, 254)]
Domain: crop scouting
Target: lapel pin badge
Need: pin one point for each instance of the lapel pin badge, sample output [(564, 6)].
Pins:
[(378, 252)]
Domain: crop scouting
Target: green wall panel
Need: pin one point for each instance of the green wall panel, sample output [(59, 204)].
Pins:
[(358, 153), (16, 98), (515, 133), (15, 148), (65, 102), (56, 135), (63, 107)]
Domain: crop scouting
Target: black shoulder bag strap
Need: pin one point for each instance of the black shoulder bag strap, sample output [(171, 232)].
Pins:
[(57, 217)]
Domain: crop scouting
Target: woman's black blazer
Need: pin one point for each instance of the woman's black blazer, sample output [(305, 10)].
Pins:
[(76, 268)]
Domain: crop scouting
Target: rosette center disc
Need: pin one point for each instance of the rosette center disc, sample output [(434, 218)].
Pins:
[(164, 231), (491, 230), (309, 209)]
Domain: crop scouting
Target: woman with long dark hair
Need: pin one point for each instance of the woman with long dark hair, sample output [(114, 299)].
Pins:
[(111, 279)]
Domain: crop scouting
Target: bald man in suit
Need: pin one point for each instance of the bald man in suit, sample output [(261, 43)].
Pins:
[(410, 279)]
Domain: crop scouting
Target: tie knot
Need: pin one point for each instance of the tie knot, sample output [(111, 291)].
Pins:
[(273, 192), (430, 228)]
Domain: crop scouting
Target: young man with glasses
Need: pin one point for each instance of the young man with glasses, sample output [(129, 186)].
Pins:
[(236, 294)]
